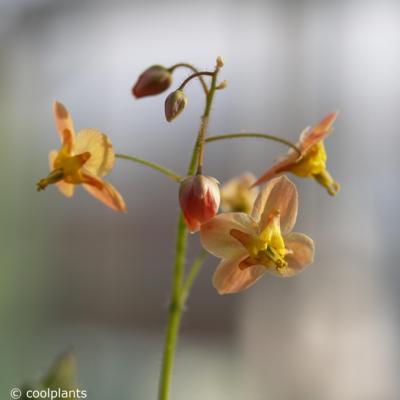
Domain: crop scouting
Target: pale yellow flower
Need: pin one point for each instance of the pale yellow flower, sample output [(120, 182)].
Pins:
[(250, 245), (311, 163), (238, 195), (83, 159)]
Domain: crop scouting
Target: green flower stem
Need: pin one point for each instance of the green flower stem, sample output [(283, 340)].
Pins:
[(205, 120), (195, 75), (167, 172), (253, 135), (180, 289), (192, 275), (195, 70), (195, 155), (175, 312)]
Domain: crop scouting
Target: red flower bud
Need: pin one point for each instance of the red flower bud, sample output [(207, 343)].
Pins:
[(199, 200), (154, 80), (174, 104)]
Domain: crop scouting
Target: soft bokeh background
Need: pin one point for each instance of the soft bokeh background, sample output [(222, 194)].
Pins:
[(74, 273)]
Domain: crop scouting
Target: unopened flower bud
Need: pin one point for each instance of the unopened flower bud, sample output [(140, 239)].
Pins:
[(220, 62), (174, 104), (222, 85), (199, 200), (154, 80)]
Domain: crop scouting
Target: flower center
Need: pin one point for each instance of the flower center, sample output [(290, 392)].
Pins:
[(71, 164), (312, 163), (268, 248), (67, 168)]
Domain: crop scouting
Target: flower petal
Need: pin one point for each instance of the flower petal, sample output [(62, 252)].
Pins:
[(65, 126), (102, 157), (279, 194), (280, 166), (103, 191), (229, 278), (52, 157), (317, 133), (216, 238), (67, 189), (303, 254)]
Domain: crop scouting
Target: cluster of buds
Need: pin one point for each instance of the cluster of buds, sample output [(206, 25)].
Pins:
[(156, 80), (199, 195)]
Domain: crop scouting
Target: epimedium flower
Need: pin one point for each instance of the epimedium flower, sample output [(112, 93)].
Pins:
[(250, 245), (312, 159), (83, 159), (238, 195), (199, 199)]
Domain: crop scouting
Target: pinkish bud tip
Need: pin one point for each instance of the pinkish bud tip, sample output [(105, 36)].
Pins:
[(199, 200), (154, 80)]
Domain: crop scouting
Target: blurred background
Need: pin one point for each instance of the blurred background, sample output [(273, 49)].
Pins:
[(76, 274)]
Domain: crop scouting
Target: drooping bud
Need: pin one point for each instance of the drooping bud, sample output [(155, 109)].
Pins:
[(174, 104), (199, 200), (154, 80)]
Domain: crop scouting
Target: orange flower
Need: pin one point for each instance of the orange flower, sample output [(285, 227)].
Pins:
[(83, 159), (312, 159), (250, 245)]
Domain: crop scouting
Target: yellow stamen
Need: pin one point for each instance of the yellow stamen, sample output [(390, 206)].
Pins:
[(54, 177), (312, 163), (268, 249), (325, 179)]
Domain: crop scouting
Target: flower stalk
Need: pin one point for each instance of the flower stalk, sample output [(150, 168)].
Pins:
[(195, 75), (175, 312), (205, 120), (167, 172), (192, 275), (180, 290), (193, 69), (253, 135)]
